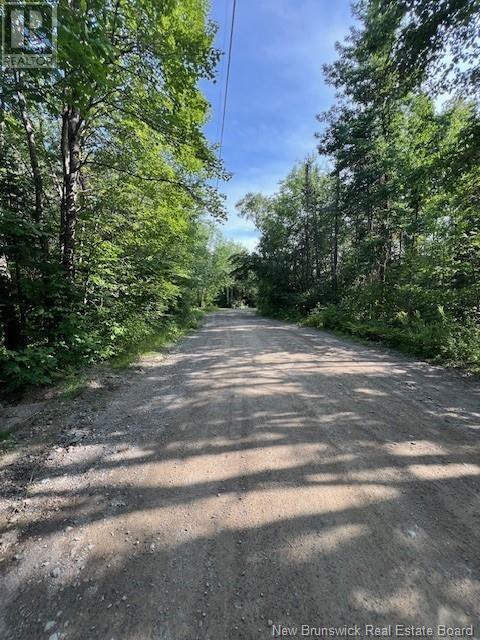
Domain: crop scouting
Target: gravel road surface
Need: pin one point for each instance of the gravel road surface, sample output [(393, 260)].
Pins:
[(259, 477)]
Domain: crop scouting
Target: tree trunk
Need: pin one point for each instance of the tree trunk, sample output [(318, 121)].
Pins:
[(336, 226), (32, 150), (35, 166), (308, 206), (71, 148), (10, 321)]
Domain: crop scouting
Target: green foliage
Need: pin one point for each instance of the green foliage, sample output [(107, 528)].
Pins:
[(152, 339), (241, 290), (297, 238), (30, 367), (105, 183), (386, 246), (121, 344)]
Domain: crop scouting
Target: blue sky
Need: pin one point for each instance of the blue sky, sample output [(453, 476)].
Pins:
[(276, 89)]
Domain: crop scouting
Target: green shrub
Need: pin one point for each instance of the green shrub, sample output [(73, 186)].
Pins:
[(84, 340), (30, 367), (334, 317)]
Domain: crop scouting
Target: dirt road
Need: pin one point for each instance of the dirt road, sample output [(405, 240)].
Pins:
[(260, 474)]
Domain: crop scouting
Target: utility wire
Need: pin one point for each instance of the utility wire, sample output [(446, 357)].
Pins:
[(227, 84), (222, 72)]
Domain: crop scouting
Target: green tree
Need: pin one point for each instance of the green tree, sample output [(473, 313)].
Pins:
[(399, 214), (105, 174)]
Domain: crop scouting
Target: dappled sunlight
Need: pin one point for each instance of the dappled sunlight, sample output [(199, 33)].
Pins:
[(392, 606), (190, 472), (133, 453), (334, 481), (443, 471), (308, 545), (411, 449), (290, 502), (371, 392), (451, 616), (460, 584), (381, 475)]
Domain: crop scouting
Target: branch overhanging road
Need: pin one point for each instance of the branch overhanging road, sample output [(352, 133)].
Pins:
[(260, 474)]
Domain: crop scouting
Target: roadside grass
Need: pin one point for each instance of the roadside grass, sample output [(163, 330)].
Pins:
[(74, 383), (160, 339), (163, 337), (71, 382), (5, 436)]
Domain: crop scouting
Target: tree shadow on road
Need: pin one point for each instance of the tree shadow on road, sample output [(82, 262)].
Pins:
[(263, 474)]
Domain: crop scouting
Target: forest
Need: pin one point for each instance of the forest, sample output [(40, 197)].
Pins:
[(109, 196), (239, 392), (379, 237), (107, 209)]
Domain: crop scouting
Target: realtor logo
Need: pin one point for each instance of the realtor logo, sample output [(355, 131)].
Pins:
[(29, 35)]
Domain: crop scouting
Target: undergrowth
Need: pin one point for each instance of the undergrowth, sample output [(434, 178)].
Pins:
[(45, 365)]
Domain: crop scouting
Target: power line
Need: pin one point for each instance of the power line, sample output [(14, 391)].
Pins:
[(227, 84), (221, 74)]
